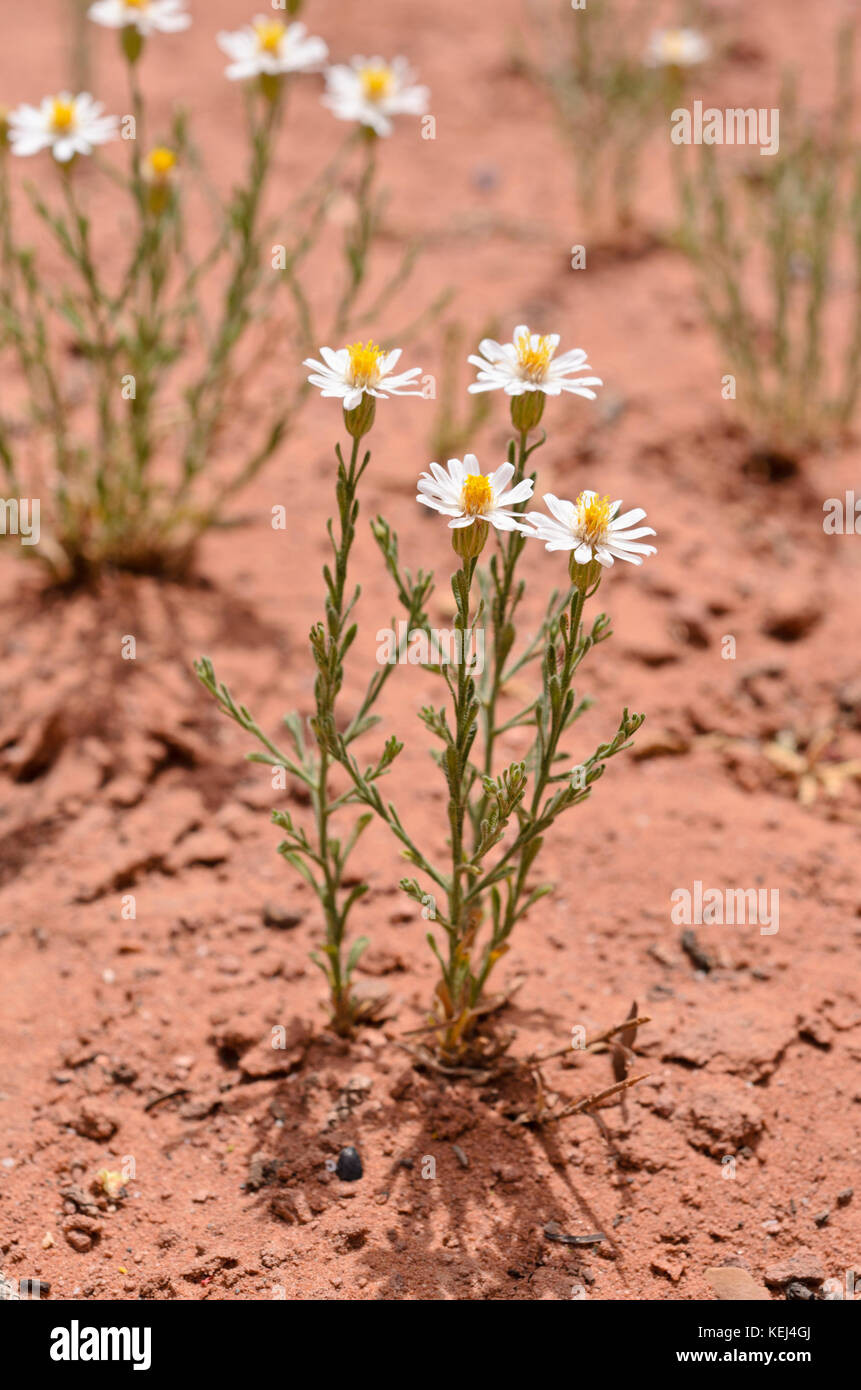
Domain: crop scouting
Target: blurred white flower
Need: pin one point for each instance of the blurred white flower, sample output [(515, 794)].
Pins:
[(528, 364), (371, 91), (467, 495), (147, 16), (358, 370), (592, 528), (678, 48), (65, 125), (268, 47)]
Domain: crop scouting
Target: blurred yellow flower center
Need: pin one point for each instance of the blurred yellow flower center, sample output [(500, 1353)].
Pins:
[(477, 494), (376, 83), (534, 361), (269, 32), (674, 45), (593, 516), (161, 161), (136, 4), (62, 114), (365, 363)]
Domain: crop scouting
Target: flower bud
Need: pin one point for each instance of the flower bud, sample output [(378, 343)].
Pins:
[(270, 85), (586, 577), (468, 541), (360, 419), (131, 42), (526, 410)]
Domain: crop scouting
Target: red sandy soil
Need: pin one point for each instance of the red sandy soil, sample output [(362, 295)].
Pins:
[(120, 777)]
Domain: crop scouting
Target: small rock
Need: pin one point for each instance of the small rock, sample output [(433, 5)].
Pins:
[(81, 1232), (122, 1073), (697, 954), (208, 1268), (94, 1124), (349, 1165), (845, 1197), (372, 999), (292, 1205), (732, 1284), (803, 1267), (351, 1236), (280, 917), (261, 1170), (659, 743)]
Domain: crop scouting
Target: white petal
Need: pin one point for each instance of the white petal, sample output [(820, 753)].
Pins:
[(563, 510), (501, 478), (519, 493), (618, 523)]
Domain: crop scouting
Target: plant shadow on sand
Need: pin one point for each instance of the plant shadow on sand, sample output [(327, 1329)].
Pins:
[(456, 1205)]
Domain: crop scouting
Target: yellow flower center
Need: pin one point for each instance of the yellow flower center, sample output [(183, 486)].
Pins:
[(593, 517), (376, 83), (533, 361), (161, 161), (136, 4), (365, 363), (62, 114), (674, 45), (477, 495), (269, 32)]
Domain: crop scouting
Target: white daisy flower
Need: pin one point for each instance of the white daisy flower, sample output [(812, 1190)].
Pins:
[(268, 48), (592, 528), (677, 48), (358, 370), (371, 91), (146, 16), (528, 363), (64, 124), (467, 495)]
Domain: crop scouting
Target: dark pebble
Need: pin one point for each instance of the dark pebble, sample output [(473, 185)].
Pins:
[(275, 916), (349, 1166)]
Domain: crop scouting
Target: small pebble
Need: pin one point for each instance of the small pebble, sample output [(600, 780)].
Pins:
[(349, 1166)]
